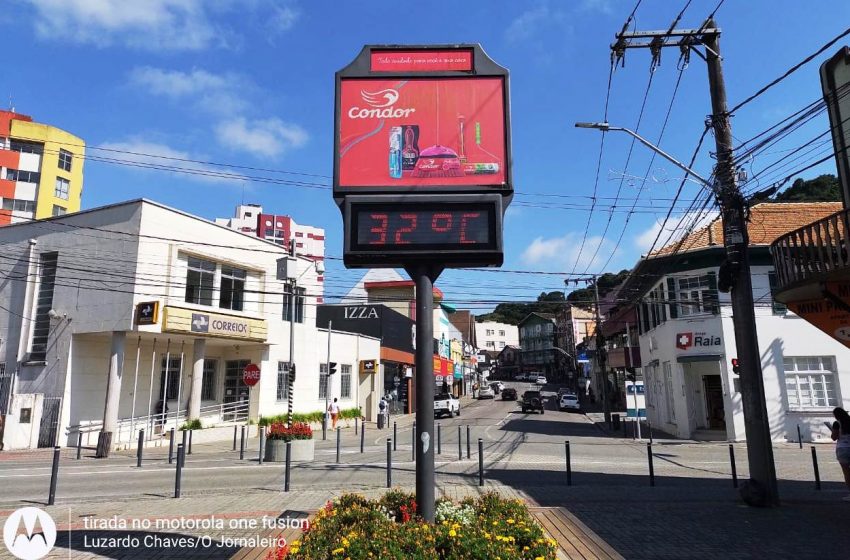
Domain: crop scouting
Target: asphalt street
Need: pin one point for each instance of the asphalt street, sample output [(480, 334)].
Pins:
[(520, 450)]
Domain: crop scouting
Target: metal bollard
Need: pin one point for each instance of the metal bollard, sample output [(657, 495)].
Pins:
[(395, 436), (171, 447), (242, 445), (734, 468), (288, 464), (185, 439), (815, 466), (139, 448), (235, 431), (262, 446), (413, 442), (389, 464), (362, 437), (569, 464), (54, 477), (356, 422), (459, 444), (480, 462), (651, 468), (190, 442), (179, 471), (337, 445), (649, 425), (80, 446), (468, 444), (439, 443), (799, 437)]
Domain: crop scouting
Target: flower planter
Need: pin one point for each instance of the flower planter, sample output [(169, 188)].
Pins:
[(302, 450)]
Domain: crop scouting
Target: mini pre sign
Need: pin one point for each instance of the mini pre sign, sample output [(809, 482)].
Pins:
[(251, 375)]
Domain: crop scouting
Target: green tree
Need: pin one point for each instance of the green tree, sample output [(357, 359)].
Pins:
[(824, 188)]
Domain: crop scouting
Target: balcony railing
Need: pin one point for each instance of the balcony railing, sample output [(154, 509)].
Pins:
[(813, 251)]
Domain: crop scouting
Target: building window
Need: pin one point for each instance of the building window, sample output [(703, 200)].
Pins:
[(501, 344), (489, 332), (282, 381), (668, 392), (25, 147), (491, 344), (345, 381), (209, 384), (18, 205), (61, 189), (44, 303), (170, 369), (300, 296), (59, 210), (23, 176), (694, 295), (65, 158), (199, 281), (232, 288), (810, 382), (501, 333), (778, 308), (323, 381)]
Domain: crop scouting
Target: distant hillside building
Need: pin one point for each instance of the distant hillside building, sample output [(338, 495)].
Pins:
[(41, 170), (494, 336), (281, 229)]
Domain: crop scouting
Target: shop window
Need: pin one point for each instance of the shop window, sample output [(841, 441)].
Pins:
[(323, 381), (345, 381), (170, 375), (209, 385)]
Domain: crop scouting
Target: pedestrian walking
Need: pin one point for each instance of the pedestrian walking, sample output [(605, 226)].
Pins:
[(333, 409), (841, 437), (382, 412)]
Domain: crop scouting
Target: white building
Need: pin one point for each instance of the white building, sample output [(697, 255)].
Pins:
[(687, 340), (107, 312), (494, 336)]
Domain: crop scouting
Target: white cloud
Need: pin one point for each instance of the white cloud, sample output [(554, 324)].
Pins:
[(674, 229), (264, 137), (562, 253), (154, 25), (525, 25), (142, 154), (216, 93)]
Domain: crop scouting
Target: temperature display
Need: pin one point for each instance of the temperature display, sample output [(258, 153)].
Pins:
[(453, 226)]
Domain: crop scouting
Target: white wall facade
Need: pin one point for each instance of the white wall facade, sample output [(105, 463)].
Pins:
[(675, 375), (113, 258), (491, 335)]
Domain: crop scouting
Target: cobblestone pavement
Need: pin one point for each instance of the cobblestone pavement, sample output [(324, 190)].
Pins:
[(692, 512)]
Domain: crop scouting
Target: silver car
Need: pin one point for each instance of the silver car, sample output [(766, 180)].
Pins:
[(485, 392)]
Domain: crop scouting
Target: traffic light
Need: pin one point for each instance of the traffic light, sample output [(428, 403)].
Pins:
[(736, 367), (331, 368)]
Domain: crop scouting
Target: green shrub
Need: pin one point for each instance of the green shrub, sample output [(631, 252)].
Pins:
[(192, 425), (309, 417)]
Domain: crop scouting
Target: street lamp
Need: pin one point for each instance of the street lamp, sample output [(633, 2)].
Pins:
[(606, 127)]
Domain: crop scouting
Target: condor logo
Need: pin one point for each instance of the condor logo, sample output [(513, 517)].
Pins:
[(688, 340), (29, 533), (382, 102)]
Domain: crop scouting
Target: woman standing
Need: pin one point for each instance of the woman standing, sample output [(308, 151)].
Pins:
[(841, 437)]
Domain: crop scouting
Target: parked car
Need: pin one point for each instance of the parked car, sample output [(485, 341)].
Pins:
[(486, 392), (569, 402), (564, 391), (532, 377), (521, 377), (532, 400), (446, 403), (541, 380), (509, 394), (497, 387)]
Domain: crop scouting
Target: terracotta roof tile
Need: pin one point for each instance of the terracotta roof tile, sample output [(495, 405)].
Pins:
[(768, 221)]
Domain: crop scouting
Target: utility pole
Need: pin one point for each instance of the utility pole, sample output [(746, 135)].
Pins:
[(761, 489), (292, 296), (600, 355)]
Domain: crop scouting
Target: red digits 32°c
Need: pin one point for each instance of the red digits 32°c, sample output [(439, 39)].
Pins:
[(441, 222)]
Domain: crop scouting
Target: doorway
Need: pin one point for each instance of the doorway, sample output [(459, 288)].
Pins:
[(235, 390), (713, 390)]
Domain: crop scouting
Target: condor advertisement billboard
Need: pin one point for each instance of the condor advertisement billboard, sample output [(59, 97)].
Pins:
[(421, 120)]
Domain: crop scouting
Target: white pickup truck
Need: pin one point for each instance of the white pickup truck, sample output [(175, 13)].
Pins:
[(445, 403)]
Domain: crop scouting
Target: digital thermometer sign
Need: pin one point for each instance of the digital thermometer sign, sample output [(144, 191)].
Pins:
[(451, 229)]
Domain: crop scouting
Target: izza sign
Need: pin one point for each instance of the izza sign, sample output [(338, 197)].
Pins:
[(251, 375), (687, 340)]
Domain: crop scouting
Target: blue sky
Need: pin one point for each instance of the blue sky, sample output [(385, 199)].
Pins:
[(250, 83)]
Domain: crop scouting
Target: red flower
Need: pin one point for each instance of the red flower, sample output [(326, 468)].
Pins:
[(298, 430)]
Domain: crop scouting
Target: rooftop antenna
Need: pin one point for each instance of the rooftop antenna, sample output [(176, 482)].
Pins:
[(11, 106)]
